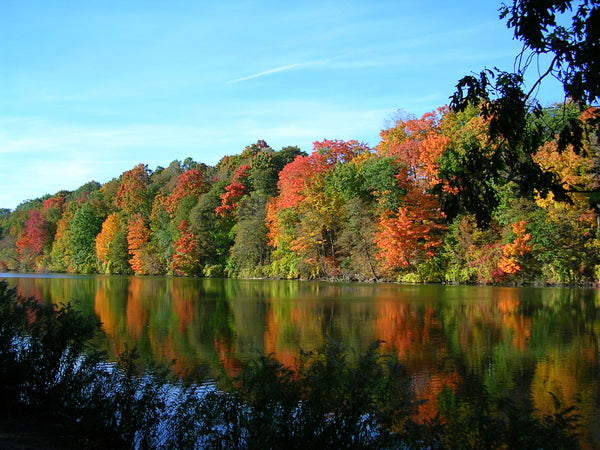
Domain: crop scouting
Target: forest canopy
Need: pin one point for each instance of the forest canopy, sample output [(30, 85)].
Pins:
[(493, 188), (437, 200)]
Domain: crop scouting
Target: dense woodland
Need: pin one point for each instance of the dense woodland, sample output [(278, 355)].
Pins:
[(439, 199)]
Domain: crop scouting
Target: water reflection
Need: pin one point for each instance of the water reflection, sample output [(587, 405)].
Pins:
[(526, 342)]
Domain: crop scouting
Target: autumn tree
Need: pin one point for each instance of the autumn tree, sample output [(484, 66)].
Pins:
[(304, 219), (111, 245), (418, 144), (283, 212), (137, 237), (104, 238), (185, 259), (190, 182), (234, 191), (412, 234), (131, 195), (32, 240), (512, 251)]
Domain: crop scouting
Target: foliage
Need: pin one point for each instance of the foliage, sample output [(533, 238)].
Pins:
[(189, 183), (42, 353), (185, 257), (32, 240), (84, 227), (250, 251), (234, 191), (137, 237), (104, 240), (435, 200), (131, 195), (411, 236), (574, 42)]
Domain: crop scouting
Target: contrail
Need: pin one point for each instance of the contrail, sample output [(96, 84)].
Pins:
[(266, 72)]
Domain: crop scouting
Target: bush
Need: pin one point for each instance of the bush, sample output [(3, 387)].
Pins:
[(213, 271), (328, 402)]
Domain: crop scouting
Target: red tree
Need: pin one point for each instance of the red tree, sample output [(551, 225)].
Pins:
[(185, 258), (418, 144), (190, 182), (234, 191), (31, 241)]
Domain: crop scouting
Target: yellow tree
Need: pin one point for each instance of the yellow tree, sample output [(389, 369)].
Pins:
[(105, 237)]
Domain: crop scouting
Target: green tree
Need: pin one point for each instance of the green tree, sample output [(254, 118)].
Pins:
[(250, 251), (213, 238), (84, 227), (355, 242), (163, 234)]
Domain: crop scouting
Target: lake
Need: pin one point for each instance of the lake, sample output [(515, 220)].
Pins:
[(534, 344)]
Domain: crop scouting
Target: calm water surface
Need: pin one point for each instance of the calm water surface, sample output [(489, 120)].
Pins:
[(531, 343)]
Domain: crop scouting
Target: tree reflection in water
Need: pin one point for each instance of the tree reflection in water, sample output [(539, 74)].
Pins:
[(535, 344)]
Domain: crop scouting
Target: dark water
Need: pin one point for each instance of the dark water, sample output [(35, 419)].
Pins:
[(534, 344)]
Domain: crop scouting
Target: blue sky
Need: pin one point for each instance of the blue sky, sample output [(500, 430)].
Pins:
[(90, 89)]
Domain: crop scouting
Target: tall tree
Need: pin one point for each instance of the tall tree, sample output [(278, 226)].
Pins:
[(109, 228), (84, 227), (190, 182), (111, 245), (137, 237), (235, 191), (412, 235), (131, 195), (304, 219), (185, 259), (250, 251), (32, 240)]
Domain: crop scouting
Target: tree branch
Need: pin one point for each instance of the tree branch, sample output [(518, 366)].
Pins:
[(539, 80)]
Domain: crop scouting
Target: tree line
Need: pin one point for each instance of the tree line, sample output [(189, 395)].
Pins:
[(441, 198)]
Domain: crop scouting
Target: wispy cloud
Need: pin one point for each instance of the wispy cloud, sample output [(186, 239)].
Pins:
[(266, 72)]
